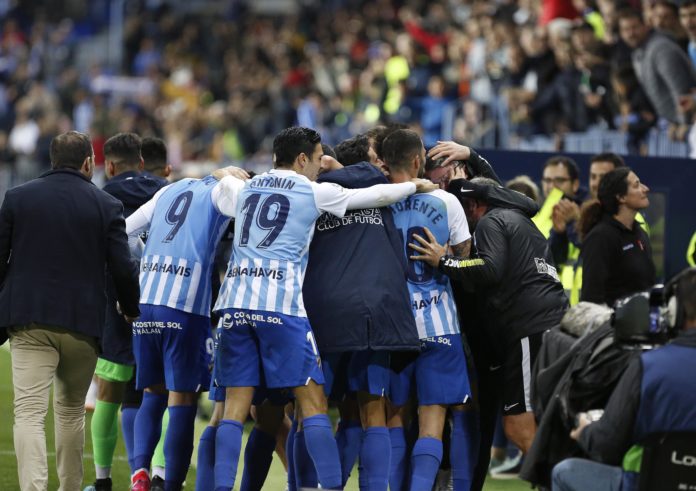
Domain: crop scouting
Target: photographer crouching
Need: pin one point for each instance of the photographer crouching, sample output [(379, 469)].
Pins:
[(656, 394)]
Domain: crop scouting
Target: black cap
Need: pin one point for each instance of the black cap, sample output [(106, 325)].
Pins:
[(462, 188)]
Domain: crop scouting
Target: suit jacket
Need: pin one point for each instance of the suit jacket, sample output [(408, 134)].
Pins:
[(58, 233)]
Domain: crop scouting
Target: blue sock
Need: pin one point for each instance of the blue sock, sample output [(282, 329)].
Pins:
[(289, 451), (399, 464), (322, 448), (348, 446), (375, 454), (228, 444), (178, 444), (463, 449), (305, 473), (147, 429), (205, 468), (258, 456), (425, 461), (128, 429)]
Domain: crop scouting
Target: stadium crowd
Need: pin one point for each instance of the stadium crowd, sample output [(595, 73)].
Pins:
[(215, 86), (374, 267)]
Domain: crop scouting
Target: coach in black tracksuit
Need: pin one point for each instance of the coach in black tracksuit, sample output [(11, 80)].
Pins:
[(513, 271)]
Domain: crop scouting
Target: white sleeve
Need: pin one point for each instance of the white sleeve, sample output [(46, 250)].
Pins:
[(225, 195), (335, 199), (456, 219), (140, 219)]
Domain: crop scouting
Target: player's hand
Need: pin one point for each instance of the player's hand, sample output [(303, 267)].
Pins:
[(430, 251), (423, 185), (128, 318), (450, 151), (328, 163), (564, 212), (583, 421), (231, 170)]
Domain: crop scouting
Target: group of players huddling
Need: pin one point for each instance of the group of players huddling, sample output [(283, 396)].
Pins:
[(322, 299)]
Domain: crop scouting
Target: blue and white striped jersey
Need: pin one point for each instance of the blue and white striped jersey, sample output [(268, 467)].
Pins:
[(431, 292), (186, 221), (275, 224)]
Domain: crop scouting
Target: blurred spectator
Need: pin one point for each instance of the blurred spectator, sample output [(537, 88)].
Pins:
[(687, 16), (524, 184), (635, 114), (663, 69), (665, 19)]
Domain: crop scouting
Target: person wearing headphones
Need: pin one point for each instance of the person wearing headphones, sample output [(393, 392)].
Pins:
[(656, 394)]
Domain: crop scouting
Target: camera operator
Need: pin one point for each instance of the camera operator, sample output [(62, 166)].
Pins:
[(656, 394)]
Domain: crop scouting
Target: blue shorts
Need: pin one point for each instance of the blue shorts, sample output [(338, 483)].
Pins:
[(400, 384), (335, 368), (216, 393), (254, 343), (173, 348), (368, 371), (439, 371)]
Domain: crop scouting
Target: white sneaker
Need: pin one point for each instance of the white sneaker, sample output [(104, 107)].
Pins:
[(509, 469)]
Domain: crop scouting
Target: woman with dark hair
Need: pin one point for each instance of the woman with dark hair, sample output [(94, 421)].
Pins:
[(616, 253)]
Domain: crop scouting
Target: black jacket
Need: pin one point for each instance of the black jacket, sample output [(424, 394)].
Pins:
[(616, 262), (355, 289), (512, 268), (57, 235), (624, 424), (133, 190)]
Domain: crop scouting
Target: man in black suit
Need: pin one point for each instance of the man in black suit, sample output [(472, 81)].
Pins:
[(58, 235)]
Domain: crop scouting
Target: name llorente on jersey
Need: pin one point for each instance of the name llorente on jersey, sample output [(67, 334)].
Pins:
[(276, 274), (272, 182), (166, 268), (421, 206)]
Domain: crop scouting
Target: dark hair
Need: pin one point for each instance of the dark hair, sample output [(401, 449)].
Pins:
[(687, 3), (328, 150), (353, 150), (629, 13), (291, 142), (612, 185), (70, 150), (615, 159), (379, 133), (123, 149), (670, 5), (400, 147), (686, 293), (568, 163), (154, 153)]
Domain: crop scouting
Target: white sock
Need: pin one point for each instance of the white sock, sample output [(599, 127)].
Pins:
[(158, 472), (102, 472)]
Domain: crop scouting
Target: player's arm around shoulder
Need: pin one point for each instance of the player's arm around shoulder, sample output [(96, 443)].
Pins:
[(225, 195), (336, 199)]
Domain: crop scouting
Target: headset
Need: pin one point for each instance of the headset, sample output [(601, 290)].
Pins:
[(673, 299)]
